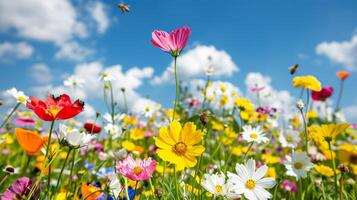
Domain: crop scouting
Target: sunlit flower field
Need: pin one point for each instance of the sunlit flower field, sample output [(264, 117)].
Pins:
[(212, 143)]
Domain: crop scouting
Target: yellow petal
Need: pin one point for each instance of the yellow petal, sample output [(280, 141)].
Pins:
[(175, 130), (189, 135)]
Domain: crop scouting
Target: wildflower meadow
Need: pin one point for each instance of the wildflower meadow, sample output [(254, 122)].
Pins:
[(211, 141)]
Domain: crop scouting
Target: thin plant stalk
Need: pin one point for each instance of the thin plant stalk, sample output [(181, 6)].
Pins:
[(9, 115), (245, 154), (339, 96), (177, 88), (63, 166), (47, 154), (334, 170), (305, 131)]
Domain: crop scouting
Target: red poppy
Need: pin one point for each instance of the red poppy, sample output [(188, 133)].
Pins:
[(325, 93), (55, 107), (92, 128)]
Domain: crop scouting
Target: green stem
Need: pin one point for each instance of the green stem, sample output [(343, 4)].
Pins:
[(339, 96), (177, 88), (245, 154), (136, 186), (9, 115), (47, 155), (305, 132), (71, 171), (125, 102), (126, 188), (205, 93), (63, 166), (334, 169), (176, 182), (23, 171)]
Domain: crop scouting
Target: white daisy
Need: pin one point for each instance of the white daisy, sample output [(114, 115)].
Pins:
[(73, 136), (250, 182), (114, 130), (289, 138), (298, 164), (18, 95), (146, 107), (254, 134), (117, 118), (106, 77), (215, 184), (73, 82)]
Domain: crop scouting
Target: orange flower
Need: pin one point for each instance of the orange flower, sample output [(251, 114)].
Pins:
[(90, 192), (342, 75), (30, 141)]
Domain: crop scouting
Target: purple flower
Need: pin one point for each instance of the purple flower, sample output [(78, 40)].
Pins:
[(20, 188)]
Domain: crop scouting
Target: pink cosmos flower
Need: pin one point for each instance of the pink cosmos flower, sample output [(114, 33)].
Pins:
[(173, 42), (289, 186), (20, 188), (325, 93), (136, 169)]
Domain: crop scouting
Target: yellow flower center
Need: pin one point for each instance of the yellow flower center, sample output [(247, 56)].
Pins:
[(137, 170), (253, 135), (147, 109), (298, 165), (289, 139), (54, 110), (219, 188), (21, 99), (179, 148), (250, 184)]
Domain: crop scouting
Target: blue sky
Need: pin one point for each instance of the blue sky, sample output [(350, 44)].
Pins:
[(260, 36)]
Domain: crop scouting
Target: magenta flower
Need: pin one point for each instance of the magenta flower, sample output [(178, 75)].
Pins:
[(173, 42), (19, 189), (136, 169), (25, 121), (325, 93), (289, 186)]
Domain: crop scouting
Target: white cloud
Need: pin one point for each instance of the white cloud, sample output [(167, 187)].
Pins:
[(20, 50), (194, 62), (73, 51), (280, 99), (54, 21), (351, 113), (41, 73), (344, 52), (99, 15)]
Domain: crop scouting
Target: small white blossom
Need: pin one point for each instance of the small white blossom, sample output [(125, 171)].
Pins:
[(18, 95), (73, 82)]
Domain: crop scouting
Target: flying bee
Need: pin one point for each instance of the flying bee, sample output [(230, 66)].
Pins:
[(124, 8), (293, 69)]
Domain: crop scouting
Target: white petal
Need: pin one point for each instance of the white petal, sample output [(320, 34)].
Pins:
[(266, 182), (250, 166), (260, 172)]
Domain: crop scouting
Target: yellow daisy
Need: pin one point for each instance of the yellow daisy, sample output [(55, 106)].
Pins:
[(328, 132), (177, 145), (309, 82)]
